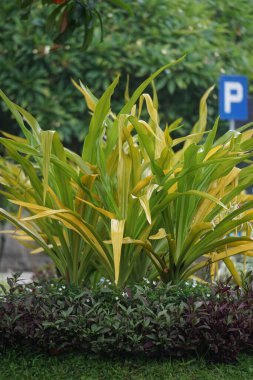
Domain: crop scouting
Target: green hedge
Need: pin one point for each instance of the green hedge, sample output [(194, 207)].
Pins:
[(151, 319)]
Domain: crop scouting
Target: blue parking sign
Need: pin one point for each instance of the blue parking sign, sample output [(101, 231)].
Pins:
[(233, 97)]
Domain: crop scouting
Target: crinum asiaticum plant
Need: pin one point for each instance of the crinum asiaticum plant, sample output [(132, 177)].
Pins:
[(130, 205), (78, 202), (200, 201)]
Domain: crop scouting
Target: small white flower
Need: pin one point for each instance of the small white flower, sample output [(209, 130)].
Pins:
[(117, 298), (47, 49), (154, 282)]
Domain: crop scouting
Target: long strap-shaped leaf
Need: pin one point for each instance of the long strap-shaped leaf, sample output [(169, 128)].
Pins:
[(101, 111), (35, 236), (86, 231), (113, 132), (46, 146), (220, 256), (117, 232)]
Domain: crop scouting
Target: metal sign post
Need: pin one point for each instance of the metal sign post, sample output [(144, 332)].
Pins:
[(232, 125)]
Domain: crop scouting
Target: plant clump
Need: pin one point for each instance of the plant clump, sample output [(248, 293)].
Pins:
[(136, 202)]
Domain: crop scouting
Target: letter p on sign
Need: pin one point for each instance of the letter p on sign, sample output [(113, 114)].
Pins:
[(233, 97)]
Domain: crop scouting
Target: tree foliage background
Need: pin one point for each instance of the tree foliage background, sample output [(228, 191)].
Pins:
[(216, 35)]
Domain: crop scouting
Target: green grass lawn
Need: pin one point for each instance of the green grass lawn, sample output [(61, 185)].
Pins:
[(15, 365)]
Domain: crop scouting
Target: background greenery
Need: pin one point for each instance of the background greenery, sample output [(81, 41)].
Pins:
[(216, 36)]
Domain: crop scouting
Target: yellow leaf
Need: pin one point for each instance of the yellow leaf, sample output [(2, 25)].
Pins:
[(179, 140), (13, 137), (124, 176), (126, 93), (39, 250), (145, 205), (29, 206), (247, 135), (22, 238), (203, 110), (101, 210), (55, 198), (151, 109), (117, 232), (205, 195), (74, 223), (141, 184), (43, 214), (233, 251), (198, 279), (161, 234), (147, 126), (91, 102), (212, 152), (231, 267)]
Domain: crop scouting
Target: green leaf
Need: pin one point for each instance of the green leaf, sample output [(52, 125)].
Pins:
[(97, 123)]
